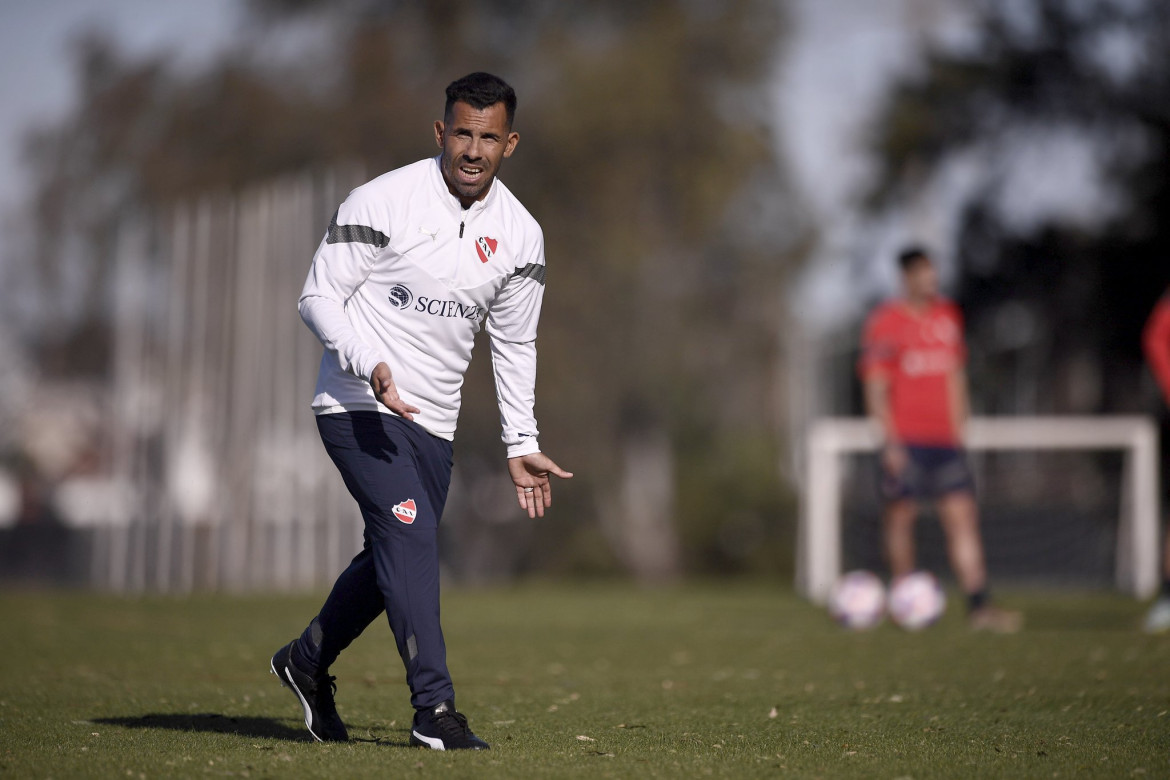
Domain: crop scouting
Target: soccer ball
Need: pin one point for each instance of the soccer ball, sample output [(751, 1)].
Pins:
[(858, 600), (916, 600)]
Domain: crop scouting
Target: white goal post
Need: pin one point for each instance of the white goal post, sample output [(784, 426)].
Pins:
[(818, 540)]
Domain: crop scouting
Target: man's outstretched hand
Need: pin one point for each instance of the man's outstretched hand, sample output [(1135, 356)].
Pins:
[(530, 475), (387, 392)]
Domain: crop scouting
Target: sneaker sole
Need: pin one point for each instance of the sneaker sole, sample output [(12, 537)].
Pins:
[(418, 740), (286, 681)]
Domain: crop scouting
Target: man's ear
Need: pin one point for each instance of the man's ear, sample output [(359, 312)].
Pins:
[(439, 132), (510, 146)]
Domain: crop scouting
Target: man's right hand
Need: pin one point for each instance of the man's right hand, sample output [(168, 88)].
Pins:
[(894, 458), (387, 392)]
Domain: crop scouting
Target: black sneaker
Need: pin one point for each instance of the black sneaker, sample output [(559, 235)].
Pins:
[(315, 695), (442, 728)]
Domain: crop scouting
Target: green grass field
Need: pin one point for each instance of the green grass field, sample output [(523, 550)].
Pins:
[(590, 681)]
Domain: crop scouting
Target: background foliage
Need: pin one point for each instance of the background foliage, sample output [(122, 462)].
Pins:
[(645, 155)]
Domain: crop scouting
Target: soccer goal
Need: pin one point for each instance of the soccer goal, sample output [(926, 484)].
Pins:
[(832, 444)]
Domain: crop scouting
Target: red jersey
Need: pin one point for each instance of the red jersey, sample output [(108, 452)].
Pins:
[(916, 353), (1156, 341)]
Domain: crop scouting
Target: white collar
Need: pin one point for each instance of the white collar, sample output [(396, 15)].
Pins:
[(445, 192)]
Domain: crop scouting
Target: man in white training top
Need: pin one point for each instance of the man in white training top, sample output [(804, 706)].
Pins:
[(412, 263)]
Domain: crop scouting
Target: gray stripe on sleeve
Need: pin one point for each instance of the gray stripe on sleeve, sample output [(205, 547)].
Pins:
[(354, 234), (531, 271)]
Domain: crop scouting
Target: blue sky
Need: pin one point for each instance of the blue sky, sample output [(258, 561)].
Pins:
[(36, 69)]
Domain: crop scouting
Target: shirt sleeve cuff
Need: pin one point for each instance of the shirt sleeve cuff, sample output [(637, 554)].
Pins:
[(524, 447), (366, 362)]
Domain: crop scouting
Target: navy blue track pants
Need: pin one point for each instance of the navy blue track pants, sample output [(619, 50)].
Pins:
[(399, 474)]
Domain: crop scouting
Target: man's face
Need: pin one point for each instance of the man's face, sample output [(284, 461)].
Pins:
[(921, 280), (474, 143)]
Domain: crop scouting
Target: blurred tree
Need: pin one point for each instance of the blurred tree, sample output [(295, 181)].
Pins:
[(646, 156), (1055, 296)]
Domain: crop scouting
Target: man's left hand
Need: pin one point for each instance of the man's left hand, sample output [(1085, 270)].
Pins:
[(530, 476)]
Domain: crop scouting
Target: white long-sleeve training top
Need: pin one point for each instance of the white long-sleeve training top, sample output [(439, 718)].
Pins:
[(405, 276)]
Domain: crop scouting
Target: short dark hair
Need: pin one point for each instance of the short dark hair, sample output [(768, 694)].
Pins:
[(912, 256), (481, 90)]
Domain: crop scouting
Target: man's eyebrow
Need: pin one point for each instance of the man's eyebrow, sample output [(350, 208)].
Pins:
[(485, 134)]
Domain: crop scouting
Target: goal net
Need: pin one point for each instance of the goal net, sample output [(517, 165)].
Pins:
[(1063, 500)]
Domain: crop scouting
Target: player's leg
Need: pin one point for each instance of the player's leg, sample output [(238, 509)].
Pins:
[(400, 475), (354, 602), (1158, 618), (406, 559), (1166, 561), (408, 572), (303, 664), (959, 516), (899, 515), (947, 475), (898, 523), (380, 459)]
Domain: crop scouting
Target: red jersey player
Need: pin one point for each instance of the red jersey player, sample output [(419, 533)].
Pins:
[(1156, 343), (912, 366)]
